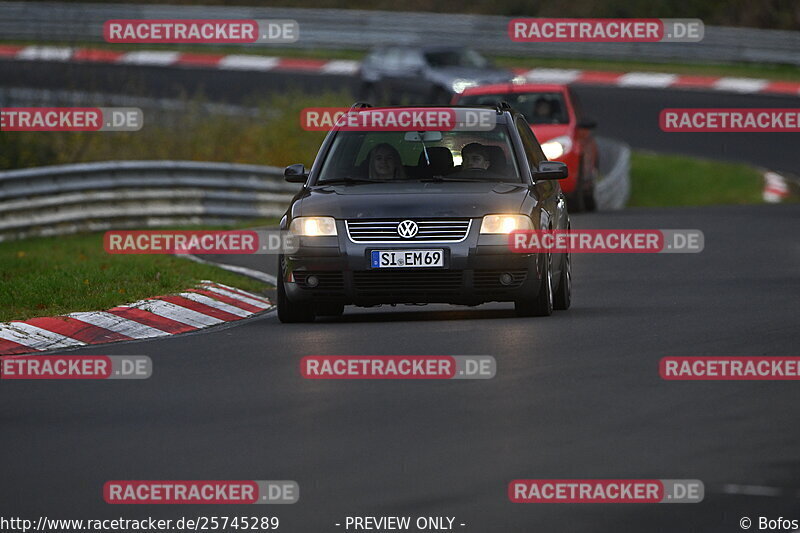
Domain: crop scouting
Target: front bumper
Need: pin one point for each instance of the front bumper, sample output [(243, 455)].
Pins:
[(471, 275)]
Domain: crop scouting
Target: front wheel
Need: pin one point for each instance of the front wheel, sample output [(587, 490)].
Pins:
[(542, 304), (291, 312), (576, 202), (589, 203), (563, 294)]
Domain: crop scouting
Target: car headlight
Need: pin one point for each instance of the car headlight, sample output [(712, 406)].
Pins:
[(313, 227), (555, 148), (503, 224), (460, 85)]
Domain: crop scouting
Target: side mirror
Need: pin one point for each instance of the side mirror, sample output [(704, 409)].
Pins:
[(295, 173), (587, 123), (550, 170)]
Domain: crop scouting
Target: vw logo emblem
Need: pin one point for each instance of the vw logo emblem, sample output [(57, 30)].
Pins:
[(407, 229)]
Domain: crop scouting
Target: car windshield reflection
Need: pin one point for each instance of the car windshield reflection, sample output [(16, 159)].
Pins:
[(373, 157)]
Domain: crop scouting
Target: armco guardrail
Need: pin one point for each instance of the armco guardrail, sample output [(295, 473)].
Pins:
[(125, 194), (64, 199), (614, 186), (36, 97), (361, 29)]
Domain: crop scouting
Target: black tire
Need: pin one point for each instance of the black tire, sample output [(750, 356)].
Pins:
[(330, 309), (589, 202), (562, 297), (542, 304), (290, 312), (576, 201)]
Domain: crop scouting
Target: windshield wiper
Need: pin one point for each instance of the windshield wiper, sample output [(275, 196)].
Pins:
[(339, 181), (446, 178)]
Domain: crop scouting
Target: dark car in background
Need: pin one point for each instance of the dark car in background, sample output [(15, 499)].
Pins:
[(409, 217), (429, 75), (560, 125)]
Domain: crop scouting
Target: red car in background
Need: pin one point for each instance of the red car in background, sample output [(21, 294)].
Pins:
[(557, 121)]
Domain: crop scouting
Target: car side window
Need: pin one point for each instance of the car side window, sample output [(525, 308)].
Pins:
[(533, 152)]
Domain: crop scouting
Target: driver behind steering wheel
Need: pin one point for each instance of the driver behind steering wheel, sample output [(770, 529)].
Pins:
[(475, 156)]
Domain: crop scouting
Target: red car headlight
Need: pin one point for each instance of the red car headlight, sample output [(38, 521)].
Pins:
[(555, 148)]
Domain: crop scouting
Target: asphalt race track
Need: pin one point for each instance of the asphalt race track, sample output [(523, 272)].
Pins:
[(577, 395), (627, 114)]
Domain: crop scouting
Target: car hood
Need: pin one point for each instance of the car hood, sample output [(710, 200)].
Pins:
[(412, 200), (545, 132)]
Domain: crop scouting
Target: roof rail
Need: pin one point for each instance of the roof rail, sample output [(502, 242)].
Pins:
[(503, 106)]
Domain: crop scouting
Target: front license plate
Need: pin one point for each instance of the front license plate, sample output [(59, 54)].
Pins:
[(407, 258)]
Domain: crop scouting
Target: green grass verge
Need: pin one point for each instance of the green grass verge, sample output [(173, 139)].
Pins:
[(56, 275), (744, 70), (670, 180), (272, 136)]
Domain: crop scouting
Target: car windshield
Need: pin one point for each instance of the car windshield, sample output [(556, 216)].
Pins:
[(358, 157), (537, 108), (456, 58)]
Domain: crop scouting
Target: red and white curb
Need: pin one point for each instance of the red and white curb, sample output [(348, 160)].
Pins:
[(242, 62), (657, 80), (166, 58), (776, 188), (207, 305)]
